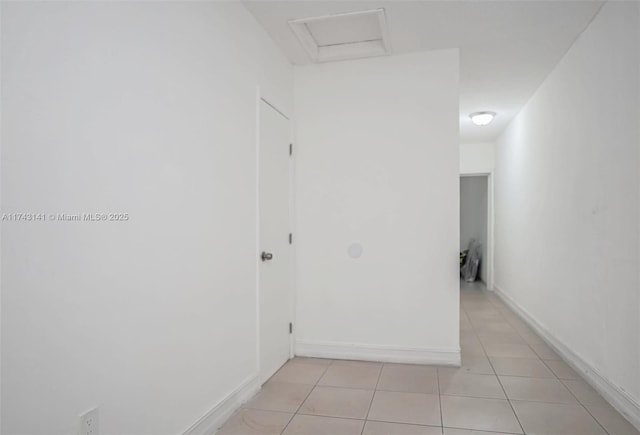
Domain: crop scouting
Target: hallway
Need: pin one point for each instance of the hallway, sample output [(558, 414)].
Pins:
[(510, 383)]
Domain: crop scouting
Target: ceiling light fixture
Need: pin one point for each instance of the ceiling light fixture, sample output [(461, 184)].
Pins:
[(482, 118)]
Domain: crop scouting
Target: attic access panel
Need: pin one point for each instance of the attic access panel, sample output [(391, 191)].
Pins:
[(348, 35)]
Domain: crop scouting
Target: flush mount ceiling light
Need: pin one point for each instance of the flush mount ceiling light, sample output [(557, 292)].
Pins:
[(343, 36), (482, 118)]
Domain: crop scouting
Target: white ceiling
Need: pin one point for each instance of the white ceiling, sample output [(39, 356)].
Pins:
[(507, 48)]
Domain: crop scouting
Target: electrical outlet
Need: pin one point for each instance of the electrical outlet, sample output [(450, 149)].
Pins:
[(89, 423)]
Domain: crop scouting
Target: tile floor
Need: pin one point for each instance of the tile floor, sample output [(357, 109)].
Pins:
[(510, 382)]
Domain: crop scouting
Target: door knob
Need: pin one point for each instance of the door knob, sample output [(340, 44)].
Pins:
[(266, 256)]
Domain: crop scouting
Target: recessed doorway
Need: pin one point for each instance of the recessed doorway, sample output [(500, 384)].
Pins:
[(476, 238)]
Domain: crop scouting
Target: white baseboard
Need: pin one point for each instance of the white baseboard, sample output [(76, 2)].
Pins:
[(382, 353), (616, 396), (212, 420)]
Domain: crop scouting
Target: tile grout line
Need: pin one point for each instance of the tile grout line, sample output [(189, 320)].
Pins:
[(362, 420), (584, 407), (375, 388), (440, 396), (487, 313), (555, 376), (507, 398), (548, 367), (309, 394), (483, 431), (539, 357), (496, 374)]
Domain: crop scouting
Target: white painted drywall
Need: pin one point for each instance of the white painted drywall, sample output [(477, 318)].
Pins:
[(147, 109), (566, 200), (377, 164), (477, 158), (473, 216)]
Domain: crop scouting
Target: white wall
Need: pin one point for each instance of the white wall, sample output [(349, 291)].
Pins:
[(477, 158), (149, 109), (377, 164), (473, 216), (567, 200)]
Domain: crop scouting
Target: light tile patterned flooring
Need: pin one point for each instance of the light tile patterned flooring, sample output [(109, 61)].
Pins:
[(510, 382)]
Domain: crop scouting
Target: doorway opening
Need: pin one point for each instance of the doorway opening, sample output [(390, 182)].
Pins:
[(476, 238)]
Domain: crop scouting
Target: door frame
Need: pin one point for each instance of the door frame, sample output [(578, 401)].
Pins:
[(260, 98), (489, 279)]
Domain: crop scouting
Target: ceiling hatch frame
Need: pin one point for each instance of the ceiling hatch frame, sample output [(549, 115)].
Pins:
[(368, 47)]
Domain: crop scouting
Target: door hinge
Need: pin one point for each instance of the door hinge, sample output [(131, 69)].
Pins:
[(290, 238), (290, 328), (290, 149)]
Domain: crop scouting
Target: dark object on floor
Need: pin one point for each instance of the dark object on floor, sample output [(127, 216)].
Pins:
[(463, 257), (469, 271)]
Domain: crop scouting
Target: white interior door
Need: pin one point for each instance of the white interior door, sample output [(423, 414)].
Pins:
[(274, 292)]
